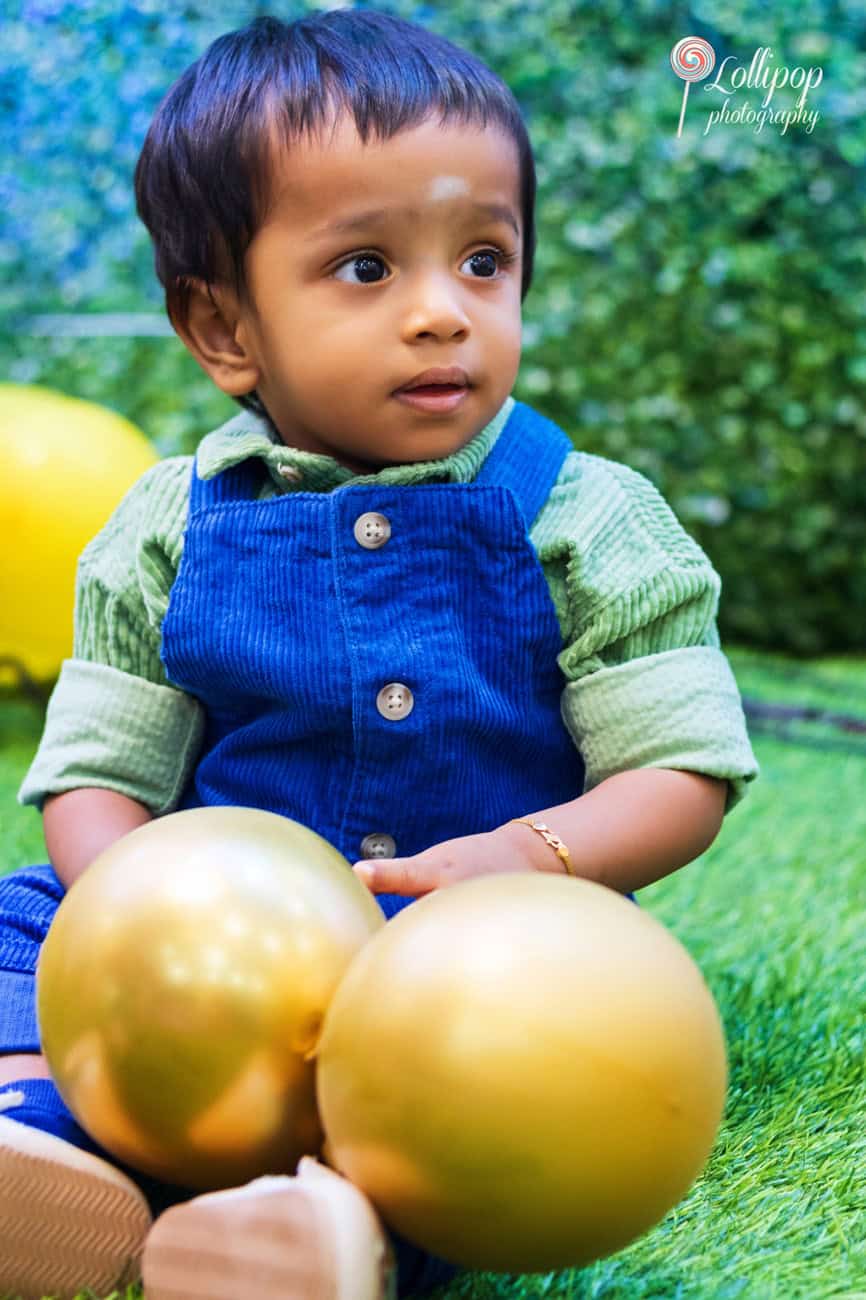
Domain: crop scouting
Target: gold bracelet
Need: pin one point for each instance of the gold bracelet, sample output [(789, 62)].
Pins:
[(552, 839)]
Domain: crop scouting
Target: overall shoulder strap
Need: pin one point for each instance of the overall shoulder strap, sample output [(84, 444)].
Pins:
[(527, 458)]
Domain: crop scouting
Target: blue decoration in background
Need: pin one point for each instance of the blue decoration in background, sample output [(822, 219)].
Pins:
[(78, 86)]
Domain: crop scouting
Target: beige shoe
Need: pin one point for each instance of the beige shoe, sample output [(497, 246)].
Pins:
[(314, 1236), (68, 1219)]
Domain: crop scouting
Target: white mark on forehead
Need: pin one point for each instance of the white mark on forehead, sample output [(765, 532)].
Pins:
[(447, 187)]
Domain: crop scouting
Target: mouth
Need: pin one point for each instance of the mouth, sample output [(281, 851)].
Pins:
[(437, 379), (442, 398), (433, 389)]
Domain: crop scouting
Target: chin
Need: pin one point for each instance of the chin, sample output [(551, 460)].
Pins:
[(367, 466)]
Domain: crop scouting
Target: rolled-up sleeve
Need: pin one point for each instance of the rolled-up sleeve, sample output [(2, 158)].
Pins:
[(647, 683), (113, 719), (678, 709), (108, 728)]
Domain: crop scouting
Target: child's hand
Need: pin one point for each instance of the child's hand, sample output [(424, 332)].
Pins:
[(443, 864)]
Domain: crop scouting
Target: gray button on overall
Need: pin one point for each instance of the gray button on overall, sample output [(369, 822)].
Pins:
[(395, 701), (372, 530), (378, 845)]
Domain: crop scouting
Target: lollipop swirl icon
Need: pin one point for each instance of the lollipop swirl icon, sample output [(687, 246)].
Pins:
[(692, 58)]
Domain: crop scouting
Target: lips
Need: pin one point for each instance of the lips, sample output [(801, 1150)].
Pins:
[(437, 400), (432, 389), (437, 379)]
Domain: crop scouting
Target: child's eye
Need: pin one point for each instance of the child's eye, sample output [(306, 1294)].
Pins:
[(367, 261), (488, 254)]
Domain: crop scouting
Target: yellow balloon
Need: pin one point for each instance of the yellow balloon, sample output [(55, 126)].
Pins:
[(524, 1072), (66, 465), (182, 987)]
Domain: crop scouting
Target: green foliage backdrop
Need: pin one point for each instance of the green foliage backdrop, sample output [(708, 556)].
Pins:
[(697, 310)]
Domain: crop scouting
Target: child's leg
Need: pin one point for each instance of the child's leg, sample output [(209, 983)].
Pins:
[(69, 1217), (29, 899), (27, 1065)]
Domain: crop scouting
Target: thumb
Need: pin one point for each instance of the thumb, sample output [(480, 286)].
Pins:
[(391, 875), (366, 873)]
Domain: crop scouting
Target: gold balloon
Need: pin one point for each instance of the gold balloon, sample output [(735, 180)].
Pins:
[(524, 1072), (66, 465), (182, 986)]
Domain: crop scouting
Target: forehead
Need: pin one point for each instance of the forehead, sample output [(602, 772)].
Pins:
[(422, 172)]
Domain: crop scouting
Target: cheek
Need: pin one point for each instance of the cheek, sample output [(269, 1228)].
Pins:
[(511, 333), (339, 348), (502, 316), (319, 325)]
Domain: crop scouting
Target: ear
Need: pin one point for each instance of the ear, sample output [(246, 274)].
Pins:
[(216, 335)]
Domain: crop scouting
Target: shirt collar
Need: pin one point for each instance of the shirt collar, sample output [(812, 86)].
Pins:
[(291, 469)]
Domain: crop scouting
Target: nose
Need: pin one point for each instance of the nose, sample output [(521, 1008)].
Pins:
[(434, 308)]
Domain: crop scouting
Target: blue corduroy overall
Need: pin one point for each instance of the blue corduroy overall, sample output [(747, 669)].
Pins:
[(405, 691), (377, 662)]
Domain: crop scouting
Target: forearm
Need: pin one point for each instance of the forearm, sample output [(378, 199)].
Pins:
[(632, 829), (79, 824)]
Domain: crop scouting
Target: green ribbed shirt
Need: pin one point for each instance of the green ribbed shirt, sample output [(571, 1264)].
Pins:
[(646, 682)]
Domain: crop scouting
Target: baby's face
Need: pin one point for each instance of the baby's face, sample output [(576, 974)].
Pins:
[(345, 317)]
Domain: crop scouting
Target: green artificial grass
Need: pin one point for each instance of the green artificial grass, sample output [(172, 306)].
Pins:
[(773, 913)]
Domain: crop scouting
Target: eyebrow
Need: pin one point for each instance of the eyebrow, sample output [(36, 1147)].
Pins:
[(370, 217)]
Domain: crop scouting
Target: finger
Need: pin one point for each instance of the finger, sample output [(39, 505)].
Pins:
[(391, 876), (366, 873)]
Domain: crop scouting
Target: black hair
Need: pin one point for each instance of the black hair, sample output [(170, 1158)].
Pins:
[(202, 178)]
